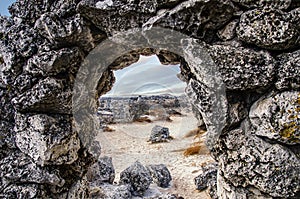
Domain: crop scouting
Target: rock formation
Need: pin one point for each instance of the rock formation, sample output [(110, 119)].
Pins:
[(248, 70)]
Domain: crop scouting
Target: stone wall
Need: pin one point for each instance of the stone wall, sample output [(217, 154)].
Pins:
[(253, 43)]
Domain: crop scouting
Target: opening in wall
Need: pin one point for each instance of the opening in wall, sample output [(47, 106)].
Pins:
[(147, 117)]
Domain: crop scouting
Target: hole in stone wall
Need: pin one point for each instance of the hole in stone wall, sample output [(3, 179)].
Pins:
[(147, 94)]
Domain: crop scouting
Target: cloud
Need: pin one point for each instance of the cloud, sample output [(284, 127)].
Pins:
[(147, 77)]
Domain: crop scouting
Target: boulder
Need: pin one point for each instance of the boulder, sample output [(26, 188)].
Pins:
[(102, 171), (208, 180), (137, 177), (159, 134), (160, 174)]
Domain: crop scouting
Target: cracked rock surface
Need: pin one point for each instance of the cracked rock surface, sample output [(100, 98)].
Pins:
[(252, 46)]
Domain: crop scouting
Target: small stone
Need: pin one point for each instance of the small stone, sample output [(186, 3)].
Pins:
[(160, 174), (208, 180), (159, 134), (102, 171), (138, 177)]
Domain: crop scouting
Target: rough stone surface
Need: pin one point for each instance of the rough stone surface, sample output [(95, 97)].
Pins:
[(208, 180), (102, 171), (160, 174), (137, 177), (159, 134), (288, 74), (242, 68), (108, 191), (269, 29), (270, 168), (33, 137), (254, 45), (278, 4), (277, 117)]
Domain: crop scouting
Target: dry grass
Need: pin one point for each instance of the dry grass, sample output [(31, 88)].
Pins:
[(143, 119), (108, 129), (193, 150), (198, 148), (196, 133)]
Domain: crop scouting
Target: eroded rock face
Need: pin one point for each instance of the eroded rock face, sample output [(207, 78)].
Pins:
[(254, 45)]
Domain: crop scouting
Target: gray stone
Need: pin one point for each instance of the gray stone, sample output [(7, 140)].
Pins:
[(277, 117), (71, 31), (259, 27), (20, 168), (270, 168), (48, 95), (160, 174), (194, 17), (108, 191), (159, 134), (242, 68), (288, 74), (278, 4), (208, 180), (137, 177), (47, 139), (228, 32), (102, 171)]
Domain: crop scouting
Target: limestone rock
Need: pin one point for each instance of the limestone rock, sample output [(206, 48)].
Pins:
[(288, 74), (208, 180), (242, 68), (202, 16), (20, 168), (108, 191), (71, 31), (228, 32), (55, 62), (137, 177), (278, 117), (111, 16), (102, 171), (47, 139), (160, 174), (270, 168), (48, 95), (259, 27), (159, 134), (278, 4)]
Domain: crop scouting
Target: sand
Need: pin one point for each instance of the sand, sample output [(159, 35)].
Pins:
[(128, 143)]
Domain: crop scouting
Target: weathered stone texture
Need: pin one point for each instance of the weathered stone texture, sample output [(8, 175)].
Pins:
[(252, 46)]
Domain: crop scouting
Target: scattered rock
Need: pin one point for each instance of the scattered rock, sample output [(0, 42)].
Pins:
[(102, 171), (160, 174), (277, 117), (138, 177), (208, 180), (159, 134)]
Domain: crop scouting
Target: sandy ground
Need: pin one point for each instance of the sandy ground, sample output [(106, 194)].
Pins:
[(128, 143)]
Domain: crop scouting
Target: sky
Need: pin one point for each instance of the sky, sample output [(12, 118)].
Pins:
[(4, 5), (147, 77)]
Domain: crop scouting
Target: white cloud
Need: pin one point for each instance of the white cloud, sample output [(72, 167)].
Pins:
[(147, 77)]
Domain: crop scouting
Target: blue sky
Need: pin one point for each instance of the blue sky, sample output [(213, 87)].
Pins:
[(4, 5), (147, 77)]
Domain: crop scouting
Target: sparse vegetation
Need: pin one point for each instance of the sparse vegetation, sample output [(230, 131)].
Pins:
[(143, 119), (195, 132)]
